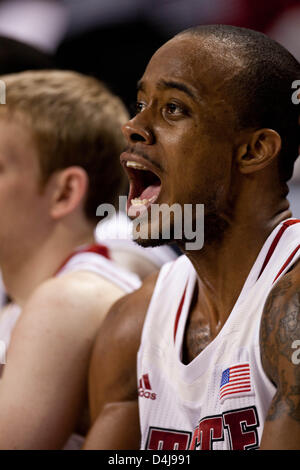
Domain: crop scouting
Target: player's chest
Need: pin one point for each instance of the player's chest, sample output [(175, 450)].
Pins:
[(199, 332)]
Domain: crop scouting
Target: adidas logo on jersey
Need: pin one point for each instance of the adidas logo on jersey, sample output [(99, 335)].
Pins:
[(145, 390)]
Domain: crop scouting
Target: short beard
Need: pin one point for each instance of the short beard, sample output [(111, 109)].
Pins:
[(160, 241), (215, 227)]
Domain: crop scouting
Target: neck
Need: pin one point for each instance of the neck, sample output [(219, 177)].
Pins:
[(223, 264), (24, 270)]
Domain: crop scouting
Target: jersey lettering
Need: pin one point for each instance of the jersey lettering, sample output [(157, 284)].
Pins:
[(241, 426), (166, 439), (209, 430)]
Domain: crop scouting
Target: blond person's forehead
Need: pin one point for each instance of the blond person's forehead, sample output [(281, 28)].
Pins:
[(17, 146)]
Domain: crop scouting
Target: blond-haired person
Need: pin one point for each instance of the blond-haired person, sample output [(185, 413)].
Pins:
[(60, 141)]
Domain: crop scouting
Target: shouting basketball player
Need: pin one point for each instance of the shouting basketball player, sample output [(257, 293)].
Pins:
[(216, 365)]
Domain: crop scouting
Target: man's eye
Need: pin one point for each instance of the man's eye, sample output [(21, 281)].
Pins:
[(139, 107), (174, 109)]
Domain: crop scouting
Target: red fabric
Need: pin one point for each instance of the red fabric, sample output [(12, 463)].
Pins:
[(287, 262), (285, 225), (95, 248), (179, 313)]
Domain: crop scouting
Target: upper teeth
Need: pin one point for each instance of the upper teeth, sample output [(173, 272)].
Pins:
[(139, 202), (136, 165), (142, 202)]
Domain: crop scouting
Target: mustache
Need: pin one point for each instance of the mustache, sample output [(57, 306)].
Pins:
[(144, 155)]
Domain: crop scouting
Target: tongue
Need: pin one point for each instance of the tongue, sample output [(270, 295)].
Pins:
[(150, 192)]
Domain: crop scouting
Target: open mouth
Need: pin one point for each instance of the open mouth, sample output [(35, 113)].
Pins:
[(145, 187)]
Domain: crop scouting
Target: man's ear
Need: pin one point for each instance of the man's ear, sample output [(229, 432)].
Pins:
[(263, 146), (70, 188)]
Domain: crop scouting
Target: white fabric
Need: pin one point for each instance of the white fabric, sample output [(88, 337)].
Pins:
[(109, 270), (179, 403), (116, 233)]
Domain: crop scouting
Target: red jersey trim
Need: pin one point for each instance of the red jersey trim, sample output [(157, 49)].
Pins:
[(179, 313), (275, 242), (287, 262), (95, 248), (271, 250)]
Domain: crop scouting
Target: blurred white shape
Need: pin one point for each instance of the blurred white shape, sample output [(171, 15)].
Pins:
[(116, 233), (117, 227), (40, 24)]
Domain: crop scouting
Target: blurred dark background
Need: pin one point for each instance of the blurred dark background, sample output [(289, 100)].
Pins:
[(114, 39)]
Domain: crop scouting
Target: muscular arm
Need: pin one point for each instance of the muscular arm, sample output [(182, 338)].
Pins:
[(280, 332), (44, 383), (112, 378)]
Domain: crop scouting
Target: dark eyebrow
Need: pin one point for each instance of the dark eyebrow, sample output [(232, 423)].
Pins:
[(165, 84)]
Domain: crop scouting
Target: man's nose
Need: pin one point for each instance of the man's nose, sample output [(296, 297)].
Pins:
[(137, 132)]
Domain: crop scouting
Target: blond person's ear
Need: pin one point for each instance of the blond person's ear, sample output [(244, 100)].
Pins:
[(70, 188)]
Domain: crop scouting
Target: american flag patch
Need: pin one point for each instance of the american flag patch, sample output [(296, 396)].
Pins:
[(235, 379)]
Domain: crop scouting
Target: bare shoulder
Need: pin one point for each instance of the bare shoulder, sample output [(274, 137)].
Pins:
[(83, 293), (62, 315), (48, 357), (113, 363)]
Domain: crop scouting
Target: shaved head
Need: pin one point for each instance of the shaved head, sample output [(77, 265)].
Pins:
[(259, 82)]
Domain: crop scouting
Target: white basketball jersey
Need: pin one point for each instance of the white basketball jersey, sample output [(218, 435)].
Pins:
[(117, 234), (94, 258), (220, 399)]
